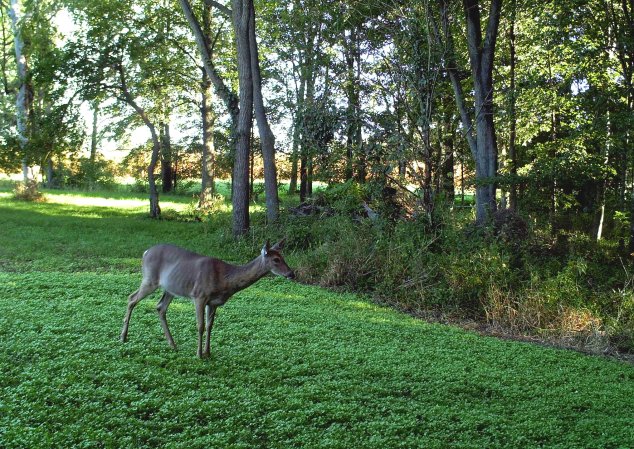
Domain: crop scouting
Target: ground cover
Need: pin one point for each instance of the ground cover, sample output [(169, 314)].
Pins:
[(291, 366)]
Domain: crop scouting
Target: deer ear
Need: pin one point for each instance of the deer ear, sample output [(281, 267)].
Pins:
[(279, 245), (266, 248)]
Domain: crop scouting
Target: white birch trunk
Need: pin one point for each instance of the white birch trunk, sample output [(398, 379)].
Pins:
[(15, 12)]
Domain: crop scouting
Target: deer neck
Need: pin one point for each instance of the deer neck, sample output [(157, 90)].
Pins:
[(241, 276)]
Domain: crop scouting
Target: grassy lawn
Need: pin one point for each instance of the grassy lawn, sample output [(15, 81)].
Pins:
[(291, 365)]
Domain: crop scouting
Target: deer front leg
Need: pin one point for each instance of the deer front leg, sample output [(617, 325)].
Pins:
[(200, 322), (211, 314)]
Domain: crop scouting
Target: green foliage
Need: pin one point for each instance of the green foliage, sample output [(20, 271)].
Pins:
[(509, 276), (345, 198), (86, 174), (291, 365)]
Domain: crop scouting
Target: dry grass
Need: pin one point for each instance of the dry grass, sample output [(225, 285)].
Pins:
[(525, 313), (28, 191)]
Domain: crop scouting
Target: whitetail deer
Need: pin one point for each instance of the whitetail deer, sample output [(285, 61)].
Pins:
[(207, 281)]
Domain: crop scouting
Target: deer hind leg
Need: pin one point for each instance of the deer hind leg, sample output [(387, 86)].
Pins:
[(211, 313), (200, 322), (161, 308), (133, 300)]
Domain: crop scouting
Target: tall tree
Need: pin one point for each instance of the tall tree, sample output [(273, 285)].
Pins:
[(208, 120), (241, 17), (23, 93), (267, 138), (481, 51)]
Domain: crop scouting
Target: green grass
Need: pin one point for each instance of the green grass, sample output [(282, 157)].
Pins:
[(291, 365)]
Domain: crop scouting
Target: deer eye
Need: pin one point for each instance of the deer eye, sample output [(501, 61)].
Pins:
[(276, 259)]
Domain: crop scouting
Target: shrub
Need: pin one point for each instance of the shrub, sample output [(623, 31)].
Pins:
[(188, 187), (28, 191), (515, 280)]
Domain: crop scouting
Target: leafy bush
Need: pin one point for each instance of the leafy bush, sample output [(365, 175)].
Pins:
[(83, 173), (188, 187), (513, 278)]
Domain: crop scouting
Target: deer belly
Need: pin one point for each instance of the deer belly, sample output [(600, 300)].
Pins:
[(214, 301), (179, 289)]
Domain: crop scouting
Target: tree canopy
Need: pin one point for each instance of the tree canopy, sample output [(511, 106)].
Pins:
[(529, 106)]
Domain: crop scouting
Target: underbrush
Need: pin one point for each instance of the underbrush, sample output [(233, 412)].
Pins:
[(569, 290)]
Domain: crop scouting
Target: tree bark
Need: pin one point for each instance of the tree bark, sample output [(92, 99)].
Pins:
[(203, 43), (240, 200), (447, 166), (308, 140), (298, 124), (22, 100), (93, 145), (267, 139), (353, 103), (303, 177), (167, 169), (155, 210), (50, 173), (208, 162), (512, 115), (481, 51), (481, 56)]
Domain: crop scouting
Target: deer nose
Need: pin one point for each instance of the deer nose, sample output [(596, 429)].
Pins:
[(290, 275)]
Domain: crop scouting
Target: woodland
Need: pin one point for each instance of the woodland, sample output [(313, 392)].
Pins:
[(467, 162), (453, 180)]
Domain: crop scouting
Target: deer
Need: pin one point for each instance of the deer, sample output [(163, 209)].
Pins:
[(207, 281)]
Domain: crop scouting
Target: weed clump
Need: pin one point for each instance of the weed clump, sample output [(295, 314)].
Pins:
[(28, 191)]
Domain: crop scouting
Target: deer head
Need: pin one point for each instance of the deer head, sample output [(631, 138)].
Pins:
[(272, 256)]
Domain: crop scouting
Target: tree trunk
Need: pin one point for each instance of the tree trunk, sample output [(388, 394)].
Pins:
[(240, 200), (50, 174), (352, 98), (481, 51), (208, 163), (155, 210), (292, 188), (303, 178), (309, 178), (93, 145), (227, 96), (512, 116), (252, 168), (167, 171), (481, 56), (447, 182), (357, 124), (22, 100), (631, 243), (267, 139), (297, 127)]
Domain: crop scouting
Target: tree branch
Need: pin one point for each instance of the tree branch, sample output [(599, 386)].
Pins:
[(226, 11), (452, 70), (474, 33), (491, 35), (227, 96)]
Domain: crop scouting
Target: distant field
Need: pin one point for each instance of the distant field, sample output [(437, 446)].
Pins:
[(291, 366)]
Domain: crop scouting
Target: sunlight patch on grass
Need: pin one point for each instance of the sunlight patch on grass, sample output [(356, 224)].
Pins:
[(119, 203)]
